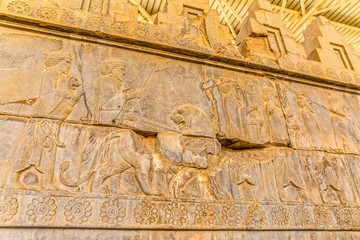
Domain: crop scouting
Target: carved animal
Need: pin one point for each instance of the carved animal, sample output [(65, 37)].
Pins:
[(111, 158), (191, 120), (190, 183)]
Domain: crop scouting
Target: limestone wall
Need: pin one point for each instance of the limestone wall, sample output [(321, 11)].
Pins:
[(109, 124)]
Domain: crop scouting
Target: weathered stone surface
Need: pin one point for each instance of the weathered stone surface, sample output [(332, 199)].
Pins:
[(323, 42), (131, 130), (264, 35)]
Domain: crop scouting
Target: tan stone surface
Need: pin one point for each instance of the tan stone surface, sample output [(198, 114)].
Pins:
[(323, 42), (177, 235), (114, 129), (263, 35)]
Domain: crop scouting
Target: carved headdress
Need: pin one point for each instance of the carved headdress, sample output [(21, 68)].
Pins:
[(110, 64), (56, 57)]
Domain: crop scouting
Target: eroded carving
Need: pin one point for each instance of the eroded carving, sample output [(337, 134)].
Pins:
[(41, 209), (106, 157), (176, 213), (205, 214), (34, 155), (346, 133), (275, 115), (78, 210), (113, 211), (146, 212), (288, 175), (8, 207), (88, 140)]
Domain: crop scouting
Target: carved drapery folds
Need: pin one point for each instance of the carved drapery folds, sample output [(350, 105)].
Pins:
[(167, 126)]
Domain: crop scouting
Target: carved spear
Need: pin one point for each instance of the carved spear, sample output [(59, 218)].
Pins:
[(77, 56), (120, 115), (147, 79)]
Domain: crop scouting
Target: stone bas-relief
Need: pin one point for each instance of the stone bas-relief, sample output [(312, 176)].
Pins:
[(190, 26), (114, 136), (178, 165), (210, 186), (324, 121)]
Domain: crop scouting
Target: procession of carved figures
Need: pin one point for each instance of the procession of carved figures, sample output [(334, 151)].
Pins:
[(108, 122), (198, 157)]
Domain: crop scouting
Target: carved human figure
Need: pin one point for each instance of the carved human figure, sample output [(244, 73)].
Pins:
[(298, 136), (34, 156), (232, 102), (209, 86), (220, 181), (112, 97), (243, 182), (345, 132), (309, 119), (288, 174), (354, 166), (328, 182), (250, 112), (275, 115), (306, 161), (236, 110)]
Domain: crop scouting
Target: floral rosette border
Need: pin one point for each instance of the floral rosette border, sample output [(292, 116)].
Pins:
[(43, 209), (78, 20)]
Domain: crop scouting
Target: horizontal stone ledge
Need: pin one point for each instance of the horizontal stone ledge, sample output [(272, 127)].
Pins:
[(307, 70), (36, 233), (226, 143), (26, 209)]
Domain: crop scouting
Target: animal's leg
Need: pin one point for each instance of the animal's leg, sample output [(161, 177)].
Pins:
[(142, 175), (115, 174), (99, 177), (13, 181), (134, 152)]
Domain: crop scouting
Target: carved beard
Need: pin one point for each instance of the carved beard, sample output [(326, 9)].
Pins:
[(63, 67)]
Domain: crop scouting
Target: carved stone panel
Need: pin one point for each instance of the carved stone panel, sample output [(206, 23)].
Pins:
[(112, 128)]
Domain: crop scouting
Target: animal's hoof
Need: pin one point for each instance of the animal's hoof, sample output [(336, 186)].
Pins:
[(156, 192), (104, 190)]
